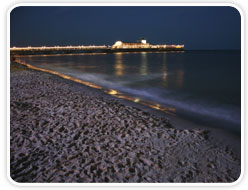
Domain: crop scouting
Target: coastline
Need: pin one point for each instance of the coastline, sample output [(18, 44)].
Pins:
[(144, 145)]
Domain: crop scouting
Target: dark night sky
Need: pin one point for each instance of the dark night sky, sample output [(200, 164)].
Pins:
[(196, 27)]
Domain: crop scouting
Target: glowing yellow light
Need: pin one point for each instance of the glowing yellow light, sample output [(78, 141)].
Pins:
[(112, 92), (156, 106), (136, 100), (119, 67)]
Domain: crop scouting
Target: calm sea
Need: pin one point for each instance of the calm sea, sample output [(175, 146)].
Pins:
[(203, 86)]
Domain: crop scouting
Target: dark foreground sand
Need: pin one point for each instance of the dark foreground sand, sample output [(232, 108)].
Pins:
[(61, 131)]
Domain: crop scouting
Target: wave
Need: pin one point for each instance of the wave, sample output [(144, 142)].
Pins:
[(182, 102), (108, 81)]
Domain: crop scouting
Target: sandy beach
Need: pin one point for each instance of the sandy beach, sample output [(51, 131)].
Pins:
[(62, 131)]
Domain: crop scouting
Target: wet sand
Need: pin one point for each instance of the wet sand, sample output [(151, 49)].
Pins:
[(61, 131)]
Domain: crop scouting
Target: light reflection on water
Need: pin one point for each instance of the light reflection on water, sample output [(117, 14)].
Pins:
[(143, 67), (164, 70), (119, 67), (180, 75)]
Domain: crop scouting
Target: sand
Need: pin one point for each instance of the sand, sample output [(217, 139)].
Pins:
[(61, 131)]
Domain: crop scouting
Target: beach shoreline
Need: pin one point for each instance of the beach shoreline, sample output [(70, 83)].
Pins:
[(163, 148)]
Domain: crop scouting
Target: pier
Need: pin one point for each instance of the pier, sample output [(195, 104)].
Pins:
[(119, 46)]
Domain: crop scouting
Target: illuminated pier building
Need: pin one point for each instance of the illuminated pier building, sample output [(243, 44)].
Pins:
[(142, 44)]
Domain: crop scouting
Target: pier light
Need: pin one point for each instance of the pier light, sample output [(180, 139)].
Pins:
[(143, 41), (118, 43)]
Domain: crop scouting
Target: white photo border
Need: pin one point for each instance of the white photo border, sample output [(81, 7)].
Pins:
[(126, 184)]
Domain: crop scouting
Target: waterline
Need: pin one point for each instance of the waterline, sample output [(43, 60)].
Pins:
[(112, 92)]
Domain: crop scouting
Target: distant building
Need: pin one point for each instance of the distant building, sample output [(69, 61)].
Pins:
[(120, 45), (142, 44)]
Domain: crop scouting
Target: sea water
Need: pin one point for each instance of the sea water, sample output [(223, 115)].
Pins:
[(202, 86)]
